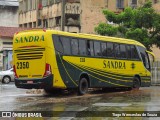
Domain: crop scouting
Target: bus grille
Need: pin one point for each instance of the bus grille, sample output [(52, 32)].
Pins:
[(29, 54)]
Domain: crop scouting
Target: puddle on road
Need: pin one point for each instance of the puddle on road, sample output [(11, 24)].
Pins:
[(145, 99)]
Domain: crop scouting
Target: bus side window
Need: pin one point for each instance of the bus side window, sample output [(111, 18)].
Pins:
[(134, 52), (104, 49), (66, 45), (110, 51), (82, 47), (117, 50), (97, 48), (58, 43), (90, 51), (74, 44), (123, 51), (129, 54)]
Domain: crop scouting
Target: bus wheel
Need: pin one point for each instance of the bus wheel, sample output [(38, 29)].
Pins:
[(136, 83), (83, 86)]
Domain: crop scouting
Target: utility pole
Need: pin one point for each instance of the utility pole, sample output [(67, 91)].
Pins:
[(63, 15)]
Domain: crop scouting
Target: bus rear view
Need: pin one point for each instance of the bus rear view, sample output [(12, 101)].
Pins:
[(30, 65)]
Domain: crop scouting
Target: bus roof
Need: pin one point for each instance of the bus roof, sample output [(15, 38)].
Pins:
[(99, 37), (88, 36)]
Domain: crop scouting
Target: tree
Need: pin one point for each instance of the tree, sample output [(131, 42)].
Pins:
[(141, 24)]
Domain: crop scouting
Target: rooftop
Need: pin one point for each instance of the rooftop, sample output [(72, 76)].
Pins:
[(9, 3), (8, 32)]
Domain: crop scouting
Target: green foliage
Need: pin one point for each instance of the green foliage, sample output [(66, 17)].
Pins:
[(105, 29), (141, 24)]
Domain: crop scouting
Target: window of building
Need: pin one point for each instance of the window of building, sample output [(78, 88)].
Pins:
[(72, 19), (104, 49), (155, 1), (97, 48), (134, 2), (45, 23), (57, 1), (74, 44), (7, 43), (120, 3), (21, 6), (110, 50), (44, 3), (51, 2), (58, 21), (34, 4), (29, 5), (25, 6), (82, 47)]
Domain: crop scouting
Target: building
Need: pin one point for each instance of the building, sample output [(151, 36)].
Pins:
[(8, 25), (6, 42), (9, 13), (72, 15)]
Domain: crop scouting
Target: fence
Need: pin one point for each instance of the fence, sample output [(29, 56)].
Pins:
[(155, 70)]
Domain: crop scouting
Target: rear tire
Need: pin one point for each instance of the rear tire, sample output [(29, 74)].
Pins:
[(6, 79), (83, 86), (136, 83)]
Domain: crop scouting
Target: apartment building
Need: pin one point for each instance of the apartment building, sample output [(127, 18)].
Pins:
[(70, 15), (73, 15)]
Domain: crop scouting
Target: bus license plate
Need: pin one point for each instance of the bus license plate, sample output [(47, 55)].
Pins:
[(30, 82)]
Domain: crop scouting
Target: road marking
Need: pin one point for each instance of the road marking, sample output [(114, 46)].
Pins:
[(112, 104)]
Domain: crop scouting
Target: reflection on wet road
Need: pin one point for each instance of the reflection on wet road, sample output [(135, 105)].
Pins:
[(97, 101)]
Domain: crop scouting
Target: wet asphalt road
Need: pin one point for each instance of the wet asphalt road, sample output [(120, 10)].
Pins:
[(95, 104)]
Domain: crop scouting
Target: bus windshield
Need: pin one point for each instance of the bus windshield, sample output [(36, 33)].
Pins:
[(145, 57)]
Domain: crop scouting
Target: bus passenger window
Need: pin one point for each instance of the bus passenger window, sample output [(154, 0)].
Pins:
[(82, 47), (134, 52), (104, 49), (117, 50), (66, 45), (90, 51), (123, 51), (129, 54), (97, 48), (110, 51), (74, 44), (58, 44)]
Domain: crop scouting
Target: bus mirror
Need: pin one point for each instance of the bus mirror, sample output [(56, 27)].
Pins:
[(153, 56)]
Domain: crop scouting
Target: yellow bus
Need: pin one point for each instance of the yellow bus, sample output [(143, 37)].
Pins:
[(50, 60)]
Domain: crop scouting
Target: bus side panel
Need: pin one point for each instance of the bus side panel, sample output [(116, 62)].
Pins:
[(51, 59), (71, 68), (68, 74)]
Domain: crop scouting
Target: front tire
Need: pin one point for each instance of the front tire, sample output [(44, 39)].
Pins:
[(6, 79), (136, 83), (83, 86)]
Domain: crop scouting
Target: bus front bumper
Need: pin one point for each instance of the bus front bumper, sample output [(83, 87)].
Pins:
[(46, 82)]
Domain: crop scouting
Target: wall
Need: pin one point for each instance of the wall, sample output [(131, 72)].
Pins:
[(9, 16), (91, 14)]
